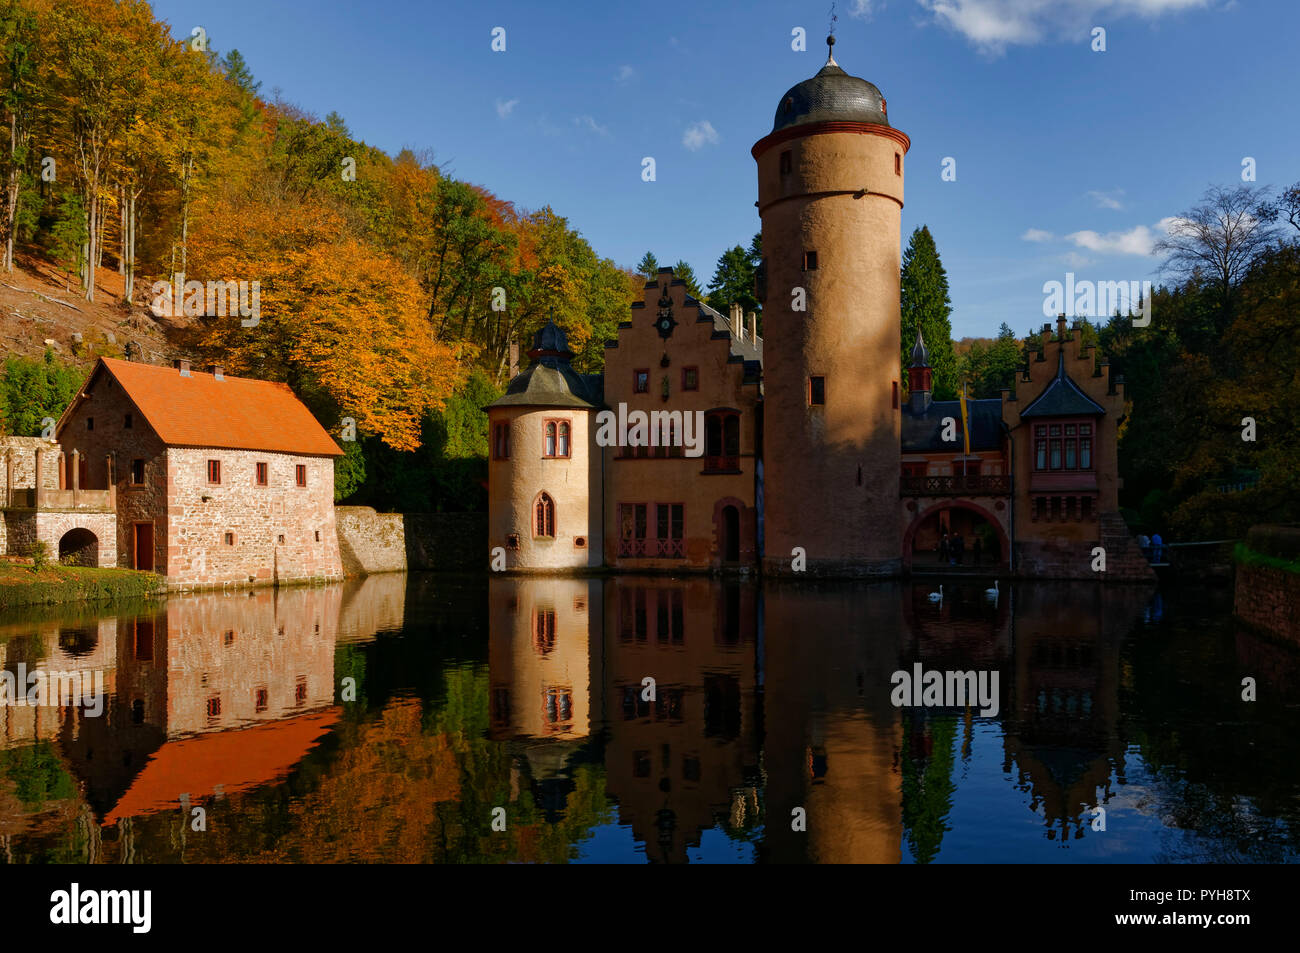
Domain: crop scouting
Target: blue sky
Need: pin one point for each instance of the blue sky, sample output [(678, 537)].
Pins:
[(1067, 159)]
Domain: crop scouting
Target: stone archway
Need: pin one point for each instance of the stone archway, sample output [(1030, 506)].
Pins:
[(988, 516), (79, 547)]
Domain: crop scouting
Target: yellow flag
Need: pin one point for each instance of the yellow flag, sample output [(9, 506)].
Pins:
[(965, 421)]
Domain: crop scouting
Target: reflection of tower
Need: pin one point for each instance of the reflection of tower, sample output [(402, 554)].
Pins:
[(542, 662), (686, 760), (832, 735), (830, 194)]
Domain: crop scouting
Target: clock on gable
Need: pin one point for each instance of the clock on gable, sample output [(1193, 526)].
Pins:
[(664, 321)]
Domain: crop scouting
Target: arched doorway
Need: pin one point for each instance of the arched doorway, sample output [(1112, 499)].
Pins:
[(730, 547), (976, 539), (79, 547)]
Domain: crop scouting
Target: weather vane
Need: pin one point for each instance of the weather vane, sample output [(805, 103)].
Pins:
[(833, 19)]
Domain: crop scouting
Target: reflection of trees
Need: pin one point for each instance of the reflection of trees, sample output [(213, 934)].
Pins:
[(1223, 774), (1214, 828), (927, 760)]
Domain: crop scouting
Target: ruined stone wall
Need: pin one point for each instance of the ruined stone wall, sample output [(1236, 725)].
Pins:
[(372, 542), (1269, 599)]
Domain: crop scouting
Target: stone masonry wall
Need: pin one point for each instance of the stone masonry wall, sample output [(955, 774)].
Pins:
[(281, 532), (1269, 599), (372, 542)]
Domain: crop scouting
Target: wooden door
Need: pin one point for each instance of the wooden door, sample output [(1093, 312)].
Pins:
[(144, 546)]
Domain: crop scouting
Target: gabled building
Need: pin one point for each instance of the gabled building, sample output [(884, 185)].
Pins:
[(216, 480)]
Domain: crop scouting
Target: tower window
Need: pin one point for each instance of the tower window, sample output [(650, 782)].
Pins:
[(556, 438), (816, 391), (810, 261), (786, 162), (262, 474), (300, 474), (641, 381), (128, 422), (690, 378), (90, 423), (896, 395), (544, 517), (898, 163), (501, 441)]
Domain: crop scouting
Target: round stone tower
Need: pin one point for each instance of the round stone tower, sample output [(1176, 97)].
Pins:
[(830, 195)]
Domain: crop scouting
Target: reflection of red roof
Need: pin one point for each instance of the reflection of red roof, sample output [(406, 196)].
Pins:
[(235, 413), (233, 760)]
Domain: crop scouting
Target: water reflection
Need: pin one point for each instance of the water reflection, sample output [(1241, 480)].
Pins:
[(653, 719)]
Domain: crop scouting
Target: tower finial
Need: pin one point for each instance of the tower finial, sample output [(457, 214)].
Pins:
[(830, 39)]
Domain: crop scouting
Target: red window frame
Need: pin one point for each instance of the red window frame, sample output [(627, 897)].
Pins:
[(300, 474), (557, 438), (214, 473), (544, 517), (261, 474), (1064, 446)]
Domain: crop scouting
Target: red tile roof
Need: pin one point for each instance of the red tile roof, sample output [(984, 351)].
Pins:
[(236, 413), (232, 760)]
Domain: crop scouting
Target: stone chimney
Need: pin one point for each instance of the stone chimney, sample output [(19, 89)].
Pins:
[(218, 372), (182, 366), (752, 322), (514, 359)]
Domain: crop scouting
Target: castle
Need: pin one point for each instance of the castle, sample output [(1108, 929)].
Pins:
[(812, 459)]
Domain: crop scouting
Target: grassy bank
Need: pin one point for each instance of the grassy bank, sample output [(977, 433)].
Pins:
[(1243, 555), (21, 586)]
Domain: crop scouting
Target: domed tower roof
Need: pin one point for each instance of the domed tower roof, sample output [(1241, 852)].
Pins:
[(550, 345), (550, 381), (831, 95), (920, 353)]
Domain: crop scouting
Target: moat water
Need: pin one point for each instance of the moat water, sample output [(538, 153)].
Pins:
[(433, 718)]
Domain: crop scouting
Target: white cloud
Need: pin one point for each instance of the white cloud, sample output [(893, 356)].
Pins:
[(1075, 260), (700, 134), (589, 122), (624, 73), (506, 107), (993, 25), (1136, 241), (1109, 199), (1036, 235), (864, 9)]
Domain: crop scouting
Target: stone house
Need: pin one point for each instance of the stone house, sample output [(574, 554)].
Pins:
[(215, 480)]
